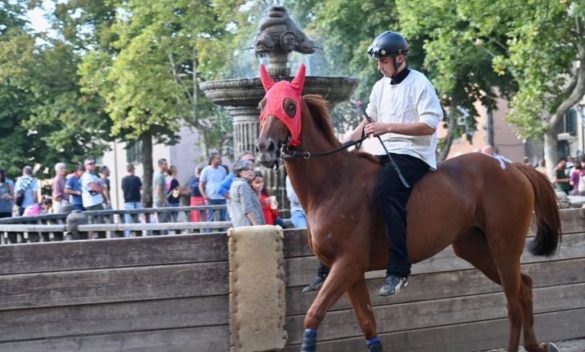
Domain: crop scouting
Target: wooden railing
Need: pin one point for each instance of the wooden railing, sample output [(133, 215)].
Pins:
[(109, 224)]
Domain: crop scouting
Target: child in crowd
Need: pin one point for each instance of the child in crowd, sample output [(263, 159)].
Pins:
[(244, 206), (269, 204)]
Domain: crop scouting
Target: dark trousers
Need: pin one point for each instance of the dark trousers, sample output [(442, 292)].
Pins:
[(392, 199)]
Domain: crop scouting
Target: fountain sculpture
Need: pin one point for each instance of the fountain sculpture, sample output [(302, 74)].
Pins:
[(278, 36)]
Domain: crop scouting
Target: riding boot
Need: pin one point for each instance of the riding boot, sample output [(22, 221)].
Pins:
[(318, 280)]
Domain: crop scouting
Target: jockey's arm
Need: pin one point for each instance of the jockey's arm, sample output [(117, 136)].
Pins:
[(356, 133), (409, 129)]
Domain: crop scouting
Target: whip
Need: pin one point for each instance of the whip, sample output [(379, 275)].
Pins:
[(358, 104)]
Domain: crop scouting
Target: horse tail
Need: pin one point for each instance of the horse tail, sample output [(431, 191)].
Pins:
[(546, 209)]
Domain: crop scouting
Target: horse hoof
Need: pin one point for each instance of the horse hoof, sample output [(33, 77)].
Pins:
[(552, 347)]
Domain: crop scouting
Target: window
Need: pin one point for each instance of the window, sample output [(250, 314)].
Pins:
[(134, 152), (569, 123)]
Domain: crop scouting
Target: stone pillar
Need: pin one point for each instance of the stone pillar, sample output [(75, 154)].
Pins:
[(278, 65), (245, 128)]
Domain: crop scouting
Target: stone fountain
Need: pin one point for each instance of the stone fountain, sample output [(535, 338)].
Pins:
[(277, 37)]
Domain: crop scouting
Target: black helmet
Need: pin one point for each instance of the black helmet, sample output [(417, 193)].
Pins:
[(388, 44)]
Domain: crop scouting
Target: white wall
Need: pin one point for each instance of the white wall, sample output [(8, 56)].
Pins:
[(185, 155)]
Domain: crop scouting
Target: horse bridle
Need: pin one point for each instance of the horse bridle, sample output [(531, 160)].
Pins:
[(286, 153)]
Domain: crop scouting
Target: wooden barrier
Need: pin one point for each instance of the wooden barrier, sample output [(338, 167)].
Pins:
[(170, 293), (109, 224), (449, 305)]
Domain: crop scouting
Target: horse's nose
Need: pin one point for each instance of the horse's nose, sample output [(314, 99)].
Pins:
[(267, 146)]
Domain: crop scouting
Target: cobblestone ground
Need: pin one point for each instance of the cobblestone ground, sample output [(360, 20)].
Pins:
[(564, 346)]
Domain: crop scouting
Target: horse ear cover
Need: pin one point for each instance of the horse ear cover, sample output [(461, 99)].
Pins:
[(276, 93)]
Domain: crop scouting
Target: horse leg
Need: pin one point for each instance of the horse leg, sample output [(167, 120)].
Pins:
[(341, 277), (362, 306), (474, 248), (530, 342)]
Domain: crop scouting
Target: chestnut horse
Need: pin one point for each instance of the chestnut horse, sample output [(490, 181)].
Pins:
[(473, 202)]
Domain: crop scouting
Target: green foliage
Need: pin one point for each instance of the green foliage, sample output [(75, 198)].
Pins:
[(544, 41), (347, 29), (460, 43), (163, 49), (43, 118)]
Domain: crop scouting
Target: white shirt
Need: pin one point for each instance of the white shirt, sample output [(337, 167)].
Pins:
[(411, 101), (88, 198)]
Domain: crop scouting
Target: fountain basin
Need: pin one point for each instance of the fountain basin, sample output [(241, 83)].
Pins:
[(249, 91)]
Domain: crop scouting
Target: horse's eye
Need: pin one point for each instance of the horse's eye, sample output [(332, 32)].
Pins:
[(290, 108)]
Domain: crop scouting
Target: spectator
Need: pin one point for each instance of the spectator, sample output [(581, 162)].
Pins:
[(173, 187), (105, 183), (224, 188), (561, 180), (488, 149), (244, 207), (269, 204), (211, 178), (58, 187), (575, 177), (73, 188), (541, 166), (29, 187), (196, 197), (297, 213), (6, 195), (131, 187), (159, 197), (91, 188), (173, 191), (46, 206), (32, 210)]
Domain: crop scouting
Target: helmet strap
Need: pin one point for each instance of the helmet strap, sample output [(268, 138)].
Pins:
[(396, 66)]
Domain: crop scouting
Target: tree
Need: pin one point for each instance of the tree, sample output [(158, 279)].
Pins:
[(42, 106), (150, 82), (459, 49), (547, 57)]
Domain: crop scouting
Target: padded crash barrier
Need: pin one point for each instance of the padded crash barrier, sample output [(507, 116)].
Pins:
[(256, 288)]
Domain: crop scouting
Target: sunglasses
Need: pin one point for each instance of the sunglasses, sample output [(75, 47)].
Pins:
[(91, 163)]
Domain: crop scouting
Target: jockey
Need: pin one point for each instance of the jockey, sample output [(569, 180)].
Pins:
[(405, 113)]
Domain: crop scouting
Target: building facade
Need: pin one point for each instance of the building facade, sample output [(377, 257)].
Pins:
[(185, 155)]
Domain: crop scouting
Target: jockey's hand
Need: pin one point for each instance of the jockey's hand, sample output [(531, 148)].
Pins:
[(377, 128)]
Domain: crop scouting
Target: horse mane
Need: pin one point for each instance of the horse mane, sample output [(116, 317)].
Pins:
[(320, 112)]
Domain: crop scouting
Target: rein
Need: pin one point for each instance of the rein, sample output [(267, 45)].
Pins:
[(300, 154)]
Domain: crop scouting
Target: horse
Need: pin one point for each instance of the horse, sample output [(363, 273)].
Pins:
[(481, 207)]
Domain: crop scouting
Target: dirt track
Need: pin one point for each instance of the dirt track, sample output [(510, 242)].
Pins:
[(564, 346)]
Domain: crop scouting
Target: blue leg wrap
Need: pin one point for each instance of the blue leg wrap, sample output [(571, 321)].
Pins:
[(374, 345), (373, 341), (309, 340)]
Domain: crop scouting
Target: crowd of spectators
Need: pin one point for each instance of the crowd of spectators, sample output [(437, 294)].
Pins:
[(243, 192)]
